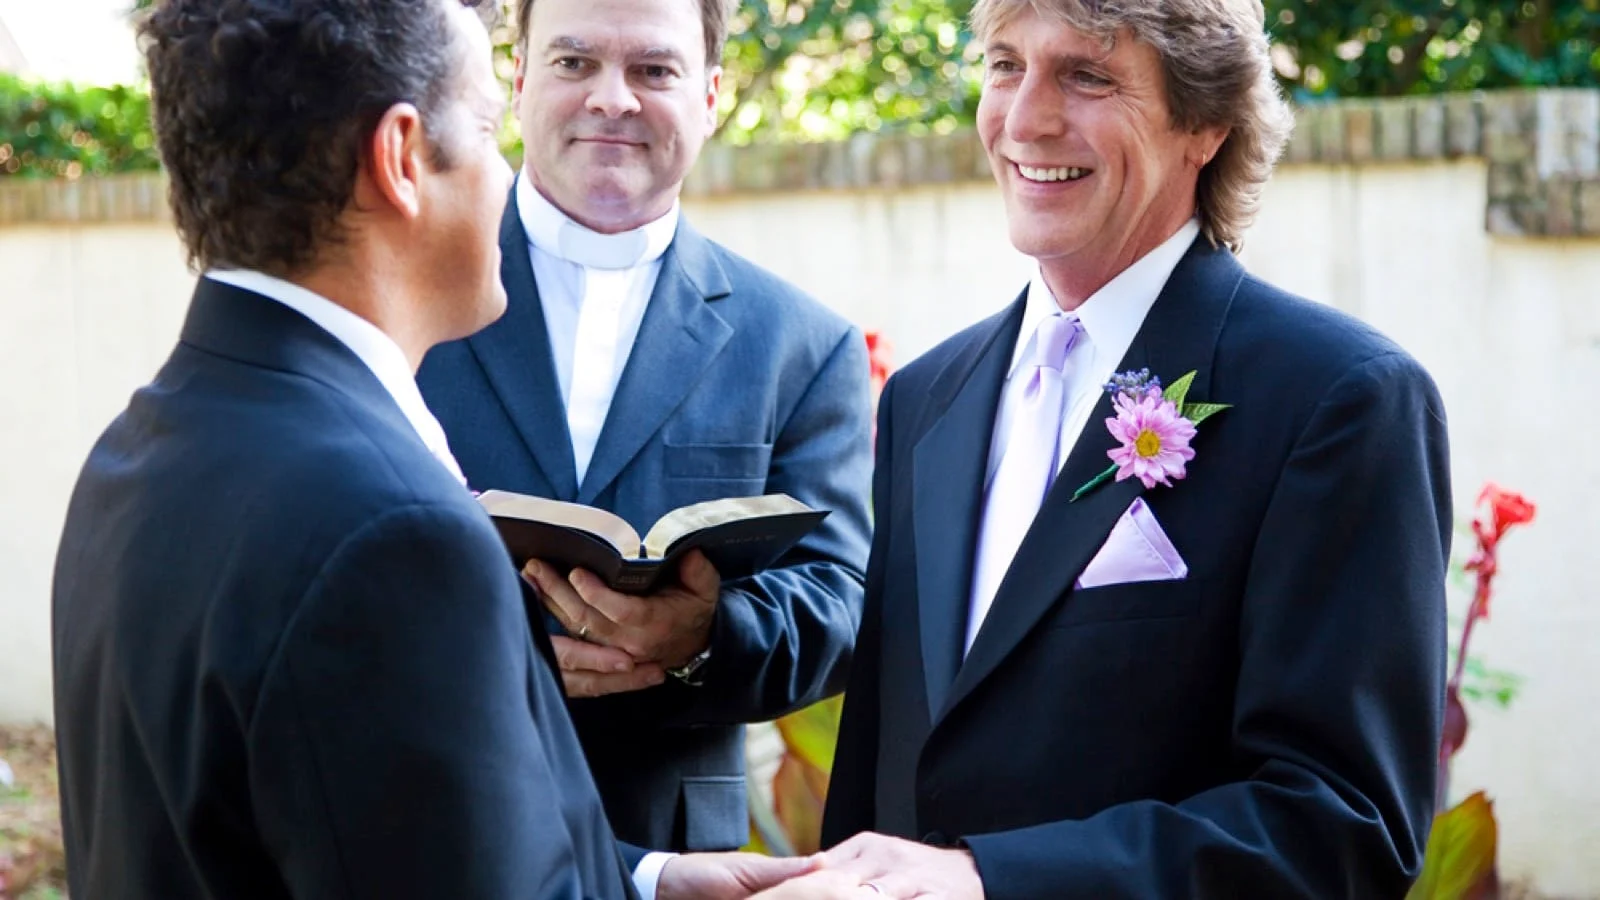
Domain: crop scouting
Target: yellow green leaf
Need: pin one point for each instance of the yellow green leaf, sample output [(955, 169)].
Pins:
[(1199, 412), (1461, 852), (1178, 390), (811, 733)]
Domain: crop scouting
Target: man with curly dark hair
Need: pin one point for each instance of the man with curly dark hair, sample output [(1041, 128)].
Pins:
[(291, 655)]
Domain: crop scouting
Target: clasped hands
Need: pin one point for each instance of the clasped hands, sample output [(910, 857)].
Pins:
[(866, 867), (621, 642)]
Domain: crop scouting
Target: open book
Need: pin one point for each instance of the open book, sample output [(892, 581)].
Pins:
[(740, 535)]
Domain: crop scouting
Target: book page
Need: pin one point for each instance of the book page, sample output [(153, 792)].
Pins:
[(686, 519), (604, 525)]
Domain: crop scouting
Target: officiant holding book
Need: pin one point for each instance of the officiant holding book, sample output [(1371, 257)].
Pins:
[(641, 367)]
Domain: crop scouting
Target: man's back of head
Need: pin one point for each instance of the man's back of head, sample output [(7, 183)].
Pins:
[(343, 145)]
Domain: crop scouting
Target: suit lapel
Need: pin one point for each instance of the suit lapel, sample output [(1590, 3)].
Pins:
[(678, 339), (515, 354), (1178, 336), (946, 510)]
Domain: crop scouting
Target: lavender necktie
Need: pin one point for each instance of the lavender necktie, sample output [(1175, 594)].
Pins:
[(1027, 465)]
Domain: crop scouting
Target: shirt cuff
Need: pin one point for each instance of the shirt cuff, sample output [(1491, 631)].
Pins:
[(649, 873)]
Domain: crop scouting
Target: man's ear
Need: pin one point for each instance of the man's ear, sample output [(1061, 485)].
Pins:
[(396, 161), (520, 75), (1208, 142), (713, 92)]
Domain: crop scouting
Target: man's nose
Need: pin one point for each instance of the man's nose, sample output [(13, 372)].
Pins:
[(612, 96), (1038, 110)]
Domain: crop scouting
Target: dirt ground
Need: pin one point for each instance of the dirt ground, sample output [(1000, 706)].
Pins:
[(31, 861)]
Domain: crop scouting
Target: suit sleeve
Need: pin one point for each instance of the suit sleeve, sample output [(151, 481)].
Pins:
[(1339, 698), (783, 638), (399, 731), (850, 807)]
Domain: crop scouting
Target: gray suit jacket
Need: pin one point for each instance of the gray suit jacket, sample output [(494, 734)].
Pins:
[(737, 384)]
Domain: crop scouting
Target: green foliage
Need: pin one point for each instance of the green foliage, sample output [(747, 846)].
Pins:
[(1364, 48), (821, 70), (813, 69), (1485, 685), (61, 131), (807, 70)]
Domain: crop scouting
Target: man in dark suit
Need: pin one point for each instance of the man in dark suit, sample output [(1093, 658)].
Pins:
[(641, 367), (1220, 673), (291, 654)]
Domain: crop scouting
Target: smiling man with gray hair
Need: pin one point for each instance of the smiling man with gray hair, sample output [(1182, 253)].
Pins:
[(1155, 607)]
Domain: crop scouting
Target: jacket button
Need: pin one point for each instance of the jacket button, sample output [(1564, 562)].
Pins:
[(935, 839)]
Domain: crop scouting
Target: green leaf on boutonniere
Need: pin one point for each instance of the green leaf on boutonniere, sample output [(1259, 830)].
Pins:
[(1178, 390), (1199, 412)]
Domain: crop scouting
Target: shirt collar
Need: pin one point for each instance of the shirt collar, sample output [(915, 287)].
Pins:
[(554, 232), (1111, 316), (376, 350)]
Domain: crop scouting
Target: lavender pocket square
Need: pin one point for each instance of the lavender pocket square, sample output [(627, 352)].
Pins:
[(1136, 550)]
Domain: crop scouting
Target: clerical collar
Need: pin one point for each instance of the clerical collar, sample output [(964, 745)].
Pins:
[(554, 232)]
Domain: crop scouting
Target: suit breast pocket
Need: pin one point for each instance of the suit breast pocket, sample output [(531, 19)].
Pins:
[(1145, 600), (731, 462)]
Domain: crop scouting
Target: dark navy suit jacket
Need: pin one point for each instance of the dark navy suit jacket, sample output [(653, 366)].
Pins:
[(291, 655), (737, 384), (1267, 727)]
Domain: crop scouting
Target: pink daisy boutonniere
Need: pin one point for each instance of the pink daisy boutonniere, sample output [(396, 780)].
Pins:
[(1153, 429)]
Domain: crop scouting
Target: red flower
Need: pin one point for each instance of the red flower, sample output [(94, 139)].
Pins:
[(1506, 508), (878, 351)]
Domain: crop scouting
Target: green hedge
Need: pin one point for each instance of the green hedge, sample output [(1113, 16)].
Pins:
[(808, 69), (61, 131)]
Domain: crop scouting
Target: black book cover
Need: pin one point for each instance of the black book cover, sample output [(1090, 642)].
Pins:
[(740, 546)]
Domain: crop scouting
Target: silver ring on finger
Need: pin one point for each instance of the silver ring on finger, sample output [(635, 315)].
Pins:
[(583, 632)]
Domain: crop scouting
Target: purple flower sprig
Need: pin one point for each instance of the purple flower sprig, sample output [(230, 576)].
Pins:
[(1133, 384)]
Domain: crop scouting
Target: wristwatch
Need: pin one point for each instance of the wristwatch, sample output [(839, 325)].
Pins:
[(691, 672)]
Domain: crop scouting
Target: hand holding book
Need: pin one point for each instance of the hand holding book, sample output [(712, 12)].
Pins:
[(637, 608), (648, 635), (739, 535)]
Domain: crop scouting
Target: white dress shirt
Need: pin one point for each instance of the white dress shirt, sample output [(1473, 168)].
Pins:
[(387, 361), (594, 289), (381, 355), (1111, 318)]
